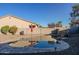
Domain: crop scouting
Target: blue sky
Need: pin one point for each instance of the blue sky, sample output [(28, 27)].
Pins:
[(39, 13)]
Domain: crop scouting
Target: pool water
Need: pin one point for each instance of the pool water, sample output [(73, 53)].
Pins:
[(42, 46)]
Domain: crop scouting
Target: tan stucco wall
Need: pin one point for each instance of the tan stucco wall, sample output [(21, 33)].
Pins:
[(39, 30), (13, 21), (36, 31), (24, 25)]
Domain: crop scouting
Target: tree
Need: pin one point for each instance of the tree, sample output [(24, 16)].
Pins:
[(74, 15), (5, 29), (13, 30)]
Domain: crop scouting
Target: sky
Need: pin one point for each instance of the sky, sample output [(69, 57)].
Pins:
[(40, 13)]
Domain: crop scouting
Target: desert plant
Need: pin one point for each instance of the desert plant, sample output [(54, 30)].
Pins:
[(5, 29), (13, 30), (22, 33)]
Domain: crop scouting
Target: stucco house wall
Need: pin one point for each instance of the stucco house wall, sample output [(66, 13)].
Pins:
[(24, 25), (14, 21)]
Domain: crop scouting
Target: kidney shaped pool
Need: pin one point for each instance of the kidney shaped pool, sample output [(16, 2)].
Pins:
[(41, 46)]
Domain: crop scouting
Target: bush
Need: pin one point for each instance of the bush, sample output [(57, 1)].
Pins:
[(5, 29), (22, 33), (13, 30)]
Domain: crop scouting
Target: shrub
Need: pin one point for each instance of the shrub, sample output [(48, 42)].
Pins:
[(22, 33), (5, 29), (13, 30)]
